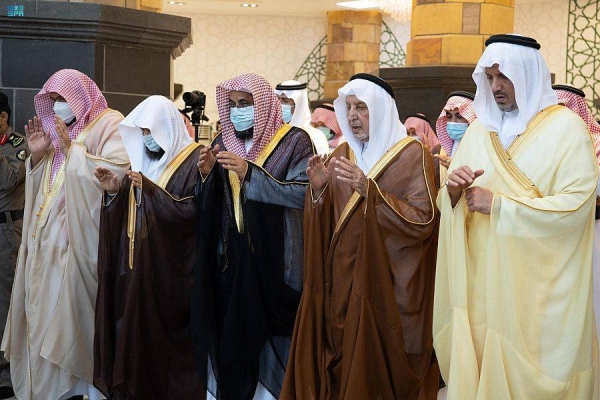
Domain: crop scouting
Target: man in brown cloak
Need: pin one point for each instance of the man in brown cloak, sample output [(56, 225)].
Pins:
[(142, 346), (363, 329)]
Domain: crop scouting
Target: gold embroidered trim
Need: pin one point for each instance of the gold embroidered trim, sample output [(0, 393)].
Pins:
[(531, 125), (272, 145), (236, 194), (175, 163), (373, 174), (50, 194), (510, 166), (131, 222), (234, 181), (164, 178), (428, 193), (312, 199), (504, 155)]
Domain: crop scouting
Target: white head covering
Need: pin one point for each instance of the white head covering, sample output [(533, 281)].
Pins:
[(162, 118), (529, 73), (385, 128), (301, 117)]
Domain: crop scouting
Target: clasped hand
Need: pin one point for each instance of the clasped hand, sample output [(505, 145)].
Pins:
[(478, 199), (228, 160)]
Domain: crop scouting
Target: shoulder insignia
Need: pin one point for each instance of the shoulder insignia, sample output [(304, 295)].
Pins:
[(16, 141), (11, 137), (22, 155)]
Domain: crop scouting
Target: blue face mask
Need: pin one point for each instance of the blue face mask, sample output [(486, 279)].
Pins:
[(328, 134), (242, 118), (456, 130), (151, 143), (287, 113)]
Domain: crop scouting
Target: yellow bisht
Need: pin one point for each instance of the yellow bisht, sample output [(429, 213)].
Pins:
[(513, 316)]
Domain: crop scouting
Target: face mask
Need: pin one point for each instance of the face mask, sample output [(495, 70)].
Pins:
[(328, 134), (417, 138), (63, 111), (456, 130), (242, 118), (151, 143), (287, 113)]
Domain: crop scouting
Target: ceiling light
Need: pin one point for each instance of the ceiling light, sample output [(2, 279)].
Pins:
[(400, 10), (358, 4), (251, 5), (176, 3)]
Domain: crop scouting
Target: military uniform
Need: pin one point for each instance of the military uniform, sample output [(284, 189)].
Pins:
[(13, 152)]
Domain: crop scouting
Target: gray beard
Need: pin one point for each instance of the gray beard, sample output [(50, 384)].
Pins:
[(507, 108)]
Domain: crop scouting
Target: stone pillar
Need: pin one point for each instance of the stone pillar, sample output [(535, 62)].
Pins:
[(450, 32), (447, 39), (128, 53), (353, 45)]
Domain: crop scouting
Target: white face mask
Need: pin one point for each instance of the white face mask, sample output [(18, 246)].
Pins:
[(63, 111)]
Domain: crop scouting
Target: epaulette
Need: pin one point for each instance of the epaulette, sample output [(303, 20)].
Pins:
[(16, 140)]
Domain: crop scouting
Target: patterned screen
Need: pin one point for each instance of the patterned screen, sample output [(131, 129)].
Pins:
[(583, 48)]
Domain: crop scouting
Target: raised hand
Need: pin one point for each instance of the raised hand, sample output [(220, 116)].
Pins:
[(38, 141), (350, 173), (63, 135), (108, 181), (207, 158), (233, 162), (318, 174), (460, 179)]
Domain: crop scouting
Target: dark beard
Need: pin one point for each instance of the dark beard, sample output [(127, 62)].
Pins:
[(247, 134), (154, 155)]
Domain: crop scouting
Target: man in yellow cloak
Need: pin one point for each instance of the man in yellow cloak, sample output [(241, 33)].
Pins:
[(513, 314)]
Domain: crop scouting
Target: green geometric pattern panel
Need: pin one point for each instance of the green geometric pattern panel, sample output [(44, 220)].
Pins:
[(313, 70), (583, 48), (391, 54)]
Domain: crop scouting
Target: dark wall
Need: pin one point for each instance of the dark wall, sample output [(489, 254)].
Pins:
[(128, 53), (426, 89)]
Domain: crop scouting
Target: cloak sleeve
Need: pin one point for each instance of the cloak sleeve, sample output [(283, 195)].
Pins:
[(409, 210), (167, 207), (261, 186), (33, 180), (83, 204), (569, 193)]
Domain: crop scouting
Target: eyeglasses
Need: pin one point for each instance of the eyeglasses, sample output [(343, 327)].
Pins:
[(241, 104)]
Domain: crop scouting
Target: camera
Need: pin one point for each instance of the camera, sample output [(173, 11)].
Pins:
[(195, 101)]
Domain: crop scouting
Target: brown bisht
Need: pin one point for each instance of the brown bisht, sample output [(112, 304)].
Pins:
[(147, 252), (363, 329)]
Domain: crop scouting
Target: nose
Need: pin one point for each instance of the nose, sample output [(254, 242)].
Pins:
[(454, 118), (351, 114), (496, 85)]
